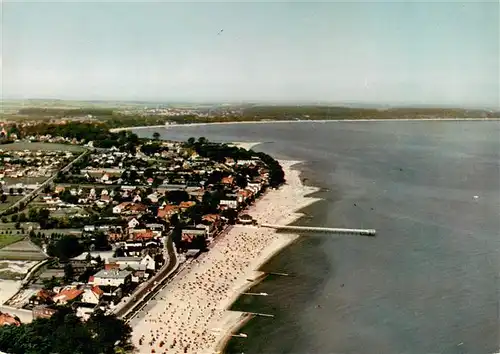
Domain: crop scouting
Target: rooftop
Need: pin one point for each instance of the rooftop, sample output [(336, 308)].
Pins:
[(112, 274)]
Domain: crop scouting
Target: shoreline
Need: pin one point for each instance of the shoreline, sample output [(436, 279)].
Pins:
[(193, 311), (114, 130)]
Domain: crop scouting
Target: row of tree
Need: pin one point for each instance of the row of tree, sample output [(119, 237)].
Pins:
[(89, 131)]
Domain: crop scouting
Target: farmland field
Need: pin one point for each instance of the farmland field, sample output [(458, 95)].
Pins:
[(40, 146), (6, 240)]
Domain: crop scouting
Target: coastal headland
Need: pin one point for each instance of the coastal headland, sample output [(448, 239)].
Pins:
[(191, 315)]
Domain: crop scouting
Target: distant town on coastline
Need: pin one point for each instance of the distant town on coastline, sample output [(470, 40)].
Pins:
[(93, 221), (129, 114)]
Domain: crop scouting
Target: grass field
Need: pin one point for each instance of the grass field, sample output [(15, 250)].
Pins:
[(6, 240), (40, 146), (22, 251), (10, 200), (25, 180)]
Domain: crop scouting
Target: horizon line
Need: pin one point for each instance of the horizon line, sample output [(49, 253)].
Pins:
[(366, 104)]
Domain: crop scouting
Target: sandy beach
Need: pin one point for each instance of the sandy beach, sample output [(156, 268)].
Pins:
[(191, 314)]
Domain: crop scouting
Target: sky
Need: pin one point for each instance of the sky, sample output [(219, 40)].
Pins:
[(413, 52)]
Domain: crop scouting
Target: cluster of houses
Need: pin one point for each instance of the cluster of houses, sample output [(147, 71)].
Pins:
[(31, 164), (107, 287), (47, 138), (143, 211)]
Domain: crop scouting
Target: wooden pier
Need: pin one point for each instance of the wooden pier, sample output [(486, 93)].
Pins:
[(334, 230), (280, 274), (259, 314)]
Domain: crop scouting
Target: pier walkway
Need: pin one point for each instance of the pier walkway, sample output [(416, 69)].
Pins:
[(362, 232)]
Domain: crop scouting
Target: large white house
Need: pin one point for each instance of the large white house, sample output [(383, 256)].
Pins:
[(111, 277)]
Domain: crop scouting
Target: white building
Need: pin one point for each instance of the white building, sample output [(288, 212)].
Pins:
[(133, 223), (231, 203), (136, 263), (92, 295), (111, 277)]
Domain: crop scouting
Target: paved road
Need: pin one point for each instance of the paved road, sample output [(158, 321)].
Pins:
[(160, 278)]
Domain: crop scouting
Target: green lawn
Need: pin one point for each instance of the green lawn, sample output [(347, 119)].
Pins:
[(6, 240), (40, 146), (10, 200)]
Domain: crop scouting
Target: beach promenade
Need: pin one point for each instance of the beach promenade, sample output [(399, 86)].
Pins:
[(190, 315)]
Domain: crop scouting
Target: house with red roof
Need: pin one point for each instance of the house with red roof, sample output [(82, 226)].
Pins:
[(66, 295), (111, 266), (42, 297), (92, 295), (143, 235), (167, 211), (186, 205)]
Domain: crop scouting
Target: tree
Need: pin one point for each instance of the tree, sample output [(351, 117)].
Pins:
[(66, 247), (174, 220), (177, 236), (119, 252), (50, 283), (191, 141), (43, 214), (19, 191), (156, 135), (101, 241), (11, 191), (177, 196), (22, 217), (241, 181), (65, 333), (108, 330), (69, 272), (132, 138), (99, 261), (202, 140), (3, 198), (33, 214), (13, 218), (231, 215)]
